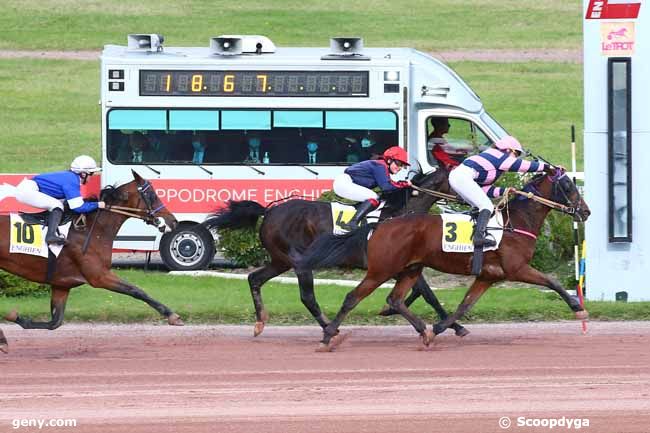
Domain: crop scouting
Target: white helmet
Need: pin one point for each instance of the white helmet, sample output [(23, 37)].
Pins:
[(84, 164)]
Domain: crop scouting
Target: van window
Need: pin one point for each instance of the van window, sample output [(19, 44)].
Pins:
[(458, 137), (238, 137)]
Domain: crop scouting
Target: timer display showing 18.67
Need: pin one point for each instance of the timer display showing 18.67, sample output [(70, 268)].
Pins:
[(254, 83)]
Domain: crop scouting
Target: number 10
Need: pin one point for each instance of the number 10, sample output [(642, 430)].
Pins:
[(24, 233)]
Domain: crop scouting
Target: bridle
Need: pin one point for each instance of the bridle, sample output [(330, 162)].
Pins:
[(148, 215), (567, 206)]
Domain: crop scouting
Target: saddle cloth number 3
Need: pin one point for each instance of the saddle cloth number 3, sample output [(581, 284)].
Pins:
[(458, 232)]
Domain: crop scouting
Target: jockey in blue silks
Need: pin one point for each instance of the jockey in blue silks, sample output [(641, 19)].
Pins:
[(47, 190)]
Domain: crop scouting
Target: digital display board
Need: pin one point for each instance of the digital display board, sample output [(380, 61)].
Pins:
[(254, 83)]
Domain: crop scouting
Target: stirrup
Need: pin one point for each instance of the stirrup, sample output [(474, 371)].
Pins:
[(56, 240), (349, 227)]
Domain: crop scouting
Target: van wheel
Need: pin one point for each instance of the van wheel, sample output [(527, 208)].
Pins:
[(188, 248)]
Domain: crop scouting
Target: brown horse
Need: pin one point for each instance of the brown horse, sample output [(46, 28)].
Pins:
[(87, 256), (400, 248), (291, 226)]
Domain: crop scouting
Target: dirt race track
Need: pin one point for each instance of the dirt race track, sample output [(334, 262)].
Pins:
[(140, 378)]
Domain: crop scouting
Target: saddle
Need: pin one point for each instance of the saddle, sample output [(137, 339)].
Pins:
[(40, 218)]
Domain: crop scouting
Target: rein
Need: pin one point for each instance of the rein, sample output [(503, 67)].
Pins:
[(132, 211), (435, 193), (546, 202)]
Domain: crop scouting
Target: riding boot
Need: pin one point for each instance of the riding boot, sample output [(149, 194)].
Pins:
[(480, 239), (364, 209), (53, 221)]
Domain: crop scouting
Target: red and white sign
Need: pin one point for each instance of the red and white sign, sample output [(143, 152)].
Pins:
[(617, 39), (613, 9), (198, 196), (203, 196)]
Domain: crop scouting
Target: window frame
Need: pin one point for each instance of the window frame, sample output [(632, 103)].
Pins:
[(613, 238)]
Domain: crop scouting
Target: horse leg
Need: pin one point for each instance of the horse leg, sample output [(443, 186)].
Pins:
[(528, 274), (306, 285), (57, 309), (473, 294), (395, 299), (4, 346), (422, 288), (352, 299), (256, 280), (112, 282)]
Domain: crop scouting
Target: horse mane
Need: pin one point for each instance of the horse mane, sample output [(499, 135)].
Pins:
[(109, 194)]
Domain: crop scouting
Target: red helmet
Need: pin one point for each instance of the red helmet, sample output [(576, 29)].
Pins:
[(398, 154)]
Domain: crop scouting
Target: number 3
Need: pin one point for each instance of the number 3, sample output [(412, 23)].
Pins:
[(451, 232)]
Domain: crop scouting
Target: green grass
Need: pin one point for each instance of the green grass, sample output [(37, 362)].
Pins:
[(214, 300), (50, 112), (429, 25)]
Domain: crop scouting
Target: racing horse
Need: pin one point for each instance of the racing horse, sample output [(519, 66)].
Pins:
[(87, 256), (289, 227), (401, 247)]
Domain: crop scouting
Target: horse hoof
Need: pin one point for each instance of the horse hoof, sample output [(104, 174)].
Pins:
[(386, 311), (12, 316), (175, 320), (427, 337), (324, 348), (462, 332), (259, 328), (582, 315)]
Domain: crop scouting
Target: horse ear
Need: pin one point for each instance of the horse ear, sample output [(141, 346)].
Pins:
[(136, 176)]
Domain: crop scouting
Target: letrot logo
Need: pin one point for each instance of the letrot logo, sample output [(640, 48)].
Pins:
[(617, 39), (613, 9)]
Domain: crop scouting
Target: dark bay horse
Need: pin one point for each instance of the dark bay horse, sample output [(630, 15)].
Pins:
[(401, 247), (75, 267), (291, 226)]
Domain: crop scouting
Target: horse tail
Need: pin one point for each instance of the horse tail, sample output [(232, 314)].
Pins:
[(329, 250), (236, 215)]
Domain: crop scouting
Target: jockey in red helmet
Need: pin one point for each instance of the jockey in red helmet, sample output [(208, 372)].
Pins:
[(357, 181)]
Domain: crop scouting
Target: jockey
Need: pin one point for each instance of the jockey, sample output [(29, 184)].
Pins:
[(46, 191), (473, 180), (357, 181)]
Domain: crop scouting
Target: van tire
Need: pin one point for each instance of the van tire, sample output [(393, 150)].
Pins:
[(188, 248)]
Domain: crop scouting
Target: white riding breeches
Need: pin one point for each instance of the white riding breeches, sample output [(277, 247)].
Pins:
[(27, 192), (461, 179), (346, 188)]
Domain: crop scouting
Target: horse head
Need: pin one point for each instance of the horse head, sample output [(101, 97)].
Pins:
[(557, 186), (436, 180), (139, 197)]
